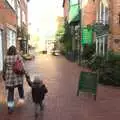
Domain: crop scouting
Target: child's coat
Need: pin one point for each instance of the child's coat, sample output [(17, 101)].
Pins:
[(38, 90)]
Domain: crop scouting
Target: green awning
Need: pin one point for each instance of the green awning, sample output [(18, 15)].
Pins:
[(73, 2), (87, 35), (74, 13)]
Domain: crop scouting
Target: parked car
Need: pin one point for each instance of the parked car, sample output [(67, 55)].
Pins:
[(55, 52)]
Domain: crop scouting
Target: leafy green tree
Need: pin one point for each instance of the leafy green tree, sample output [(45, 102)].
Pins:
[(60, 32), (67, 37)]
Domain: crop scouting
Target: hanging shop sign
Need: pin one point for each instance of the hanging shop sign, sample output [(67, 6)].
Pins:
[(87, 35)]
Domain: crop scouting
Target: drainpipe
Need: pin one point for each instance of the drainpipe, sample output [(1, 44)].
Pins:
[(81, 25)]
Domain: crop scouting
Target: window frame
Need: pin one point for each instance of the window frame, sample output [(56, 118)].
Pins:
[(12, 3)]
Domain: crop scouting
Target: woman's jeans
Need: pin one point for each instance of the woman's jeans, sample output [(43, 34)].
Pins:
[(10, 98)]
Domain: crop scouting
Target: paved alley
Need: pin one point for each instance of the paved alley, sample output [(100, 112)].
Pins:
[(61, 103)]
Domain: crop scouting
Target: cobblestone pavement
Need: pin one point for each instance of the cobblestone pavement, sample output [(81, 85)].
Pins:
[(61, 102)]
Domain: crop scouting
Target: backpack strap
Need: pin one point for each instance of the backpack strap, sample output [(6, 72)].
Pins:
[(17, 57)]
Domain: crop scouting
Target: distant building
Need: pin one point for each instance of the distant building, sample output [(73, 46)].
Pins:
[(22, 22), (59, 21)]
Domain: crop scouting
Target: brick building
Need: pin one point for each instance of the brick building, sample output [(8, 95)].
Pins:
[(66, 9), (108, 13), (72, 22), (9, 21), (114, 12), (102, 12), (22, 22)]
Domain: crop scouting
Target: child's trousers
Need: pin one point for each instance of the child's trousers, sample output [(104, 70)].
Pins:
[(38, 106)]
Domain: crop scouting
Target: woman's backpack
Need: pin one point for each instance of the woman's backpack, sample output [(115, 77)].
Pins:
[(18, 67)]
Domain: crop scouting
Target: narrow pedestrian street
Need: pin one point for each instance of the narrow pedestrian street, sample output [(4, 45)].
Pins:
[(61, 103)]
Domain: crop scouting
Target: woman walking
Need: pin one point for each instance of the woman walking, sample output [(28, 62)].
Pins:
[(12, 80)]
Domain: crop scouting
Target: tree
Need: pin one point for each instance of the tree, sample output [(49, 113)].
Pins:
[(60, 32), (66, 38)]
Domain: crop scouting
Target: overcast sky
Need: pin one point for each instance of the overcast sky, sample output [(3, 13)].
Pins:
[(42, 14)]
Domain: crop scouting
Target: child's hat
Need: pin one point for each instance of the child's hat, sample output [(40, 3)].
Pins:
[(37, 80)]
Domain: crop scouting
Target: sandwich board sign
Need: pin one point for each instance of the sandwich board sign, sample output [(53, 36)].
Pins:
[(88, 82)]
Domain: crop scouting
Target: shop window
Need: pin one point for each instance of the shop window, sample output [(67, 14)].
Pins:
[(101, 40), (101, 45), (103, 14), (11, 38)]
